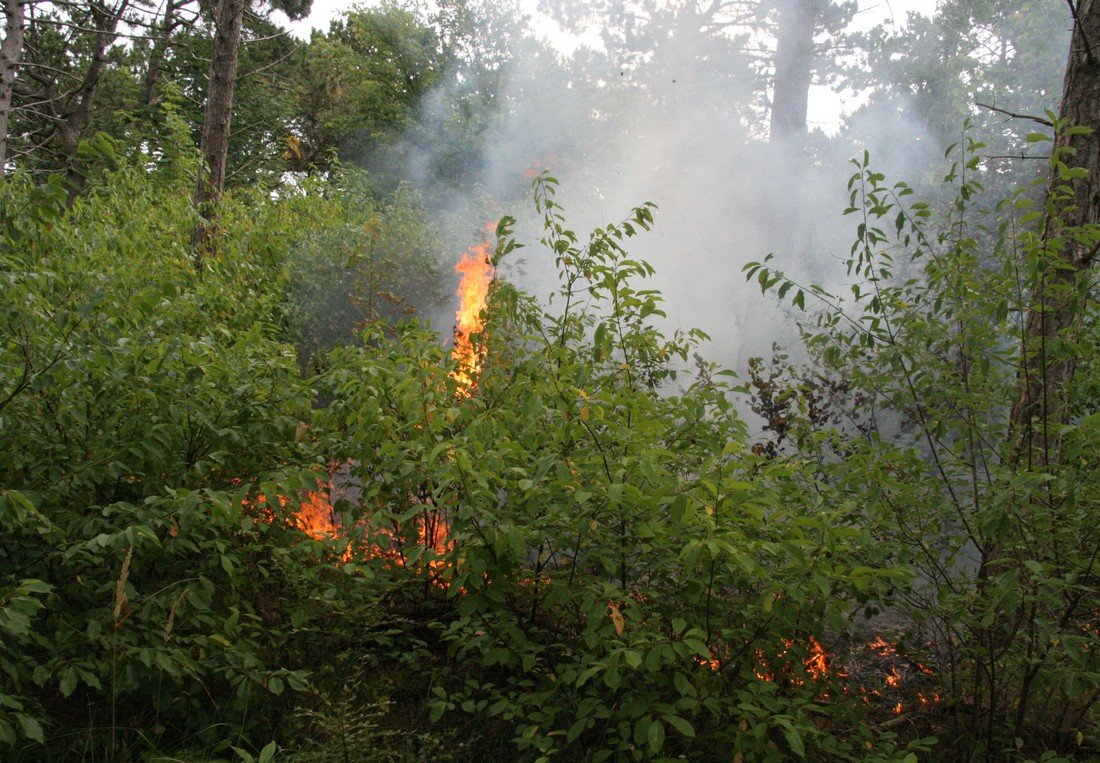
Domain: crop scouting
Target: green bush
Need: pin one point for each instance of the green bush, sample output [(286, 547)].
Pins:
[(147, 597), (925, 349), (610, 532)]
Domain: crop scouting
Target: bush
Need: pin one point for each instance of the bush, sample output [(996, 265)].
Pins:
[(621, 576), (927, 350)]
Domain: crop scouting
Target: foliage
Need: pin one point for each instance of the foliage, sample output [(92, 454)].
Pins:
[(927, 343), (587, 554), (154, 592), (380, 263), (609, 535), (936, 71), (361, 84)]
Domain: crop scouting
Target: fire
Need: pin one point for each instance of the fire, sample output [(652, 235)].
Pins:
[(890, 665), (894, 678), (817, 664), (314, 516), (477, 273)]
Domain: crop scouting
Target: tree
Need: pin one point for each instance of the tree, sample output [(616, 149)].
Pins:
[(215, 131), (360, 85), (11, 49), (934, 72), (1048, 357), (225, 53), (794, 49), (67, 52)]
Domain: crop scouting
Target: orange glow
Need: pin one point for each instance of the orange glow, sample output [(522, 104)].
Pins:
[(882, 646), (314, 517), (894, 679), (477, 273), (537, 167), (713, 663), (817, 664)]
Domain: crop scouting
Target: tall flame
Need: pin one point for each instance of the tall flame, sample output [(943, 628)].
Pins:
[(476, 270)]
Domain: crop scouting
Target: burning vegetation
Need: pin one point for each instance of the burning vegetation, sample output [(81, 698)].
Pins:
[(476, 274), (316, 516)]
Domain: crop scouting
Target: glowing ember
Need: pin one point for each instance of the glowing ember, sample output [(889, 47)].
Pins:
[(473, 291), (817, 664), (882, 646), (894, 679)]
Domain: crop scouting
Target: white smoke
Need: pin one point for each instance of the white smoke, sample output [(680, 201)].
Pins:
[(680, 131)]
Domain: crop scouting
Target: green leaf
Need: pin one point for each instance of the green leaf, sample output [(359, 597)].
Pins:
[(656, 736), (68, 681), (794, 739), (31, 728), (681, 725)]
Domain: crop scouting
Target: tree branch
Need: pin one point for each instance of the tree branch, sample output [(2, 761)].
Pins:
[(1014, 115), (1081, 29)]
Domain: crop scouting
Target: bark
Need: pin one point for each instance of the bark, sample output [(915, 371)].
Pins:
[(215, 135), (76, 120), (168, 25), (1055, 310), (794, 52), (11, 51)]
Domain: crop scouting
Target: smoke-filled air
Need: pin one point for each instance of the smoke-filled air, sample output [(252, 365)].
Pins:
[(555, 380)]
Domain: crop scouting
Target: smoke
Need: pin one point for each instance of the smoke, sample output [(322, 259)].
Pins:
[(679, 127)]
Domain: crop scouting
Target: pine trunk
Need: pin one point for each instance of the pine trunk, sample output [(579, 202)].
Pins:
[(794, 54), (11, 50), (215, 136), (1047, 368)]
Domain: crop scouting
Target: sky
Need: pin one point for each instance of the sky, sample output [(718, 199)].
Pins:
[(826, 107), (871, 12)]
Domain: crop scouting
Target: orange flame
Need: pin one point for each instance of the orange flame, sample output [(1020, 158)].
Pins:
[(314, 516), (476, 270), (894, 678), (817, 664)]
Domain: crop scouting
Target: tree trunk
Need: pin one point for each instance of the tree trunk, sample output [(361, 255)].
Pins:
[(1046, 369), (11, 51), (794, 52), (215, 134), (76, 120), (157, 55)]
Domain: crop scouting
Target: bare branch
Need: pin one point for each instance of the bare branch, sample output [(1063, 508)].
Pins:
[(1016, 156), (1014, 115), (1081, 29)]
